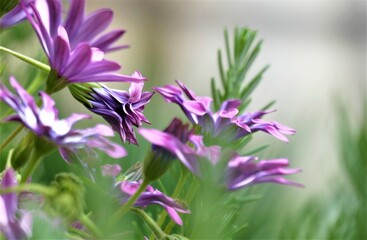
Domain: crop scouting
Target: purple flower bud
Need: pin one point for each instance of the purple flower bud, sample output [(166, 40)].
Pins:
[(121, 109), (154, 196)]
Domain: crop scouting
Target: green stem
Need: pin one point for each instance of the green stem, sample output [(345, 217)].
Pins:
[(89, 224), (115, 217), (82, 234), (33, 187), (31, 166), (11, 137), (151, 223), (42, 66), (177, 191)]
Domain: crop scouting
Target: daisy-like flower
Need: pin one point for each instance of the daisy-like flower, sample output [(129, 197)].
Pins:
[(44, 122), (121, 109), (225, 123), (244, 171), (73, 47), (14, 224), (154, 196), (168, 145)]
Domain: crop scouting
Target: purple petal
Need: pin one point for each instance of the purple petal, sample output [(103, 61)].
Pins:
[(61, 53), (195, 107), (106, 78), (135, 91), (10, 199), (173, 145), (93, 25), (79, 60), (106, 40), (74, 17), (54, 8), (48, 113), (100, 67)]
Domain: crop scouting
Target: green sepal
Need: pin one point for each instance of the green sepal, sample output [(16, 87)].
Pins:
[(82, 92)]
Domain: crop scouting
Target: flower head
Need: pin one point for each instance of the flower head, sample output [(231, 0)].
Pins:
[(168, 145), (245, 171), (44, 122), (121, 109), (11, 225), (154, 196), (74, 49), (225, 123)]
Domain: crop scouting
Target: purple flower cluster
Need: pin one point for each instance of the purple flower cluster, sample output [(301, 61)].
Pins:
[(225, 123), (44, 122), (14, 224), (241, 171)]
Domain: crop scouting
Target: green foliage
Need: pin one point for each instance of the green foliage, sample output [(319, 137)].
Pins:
[(245, 51), (343, 215)]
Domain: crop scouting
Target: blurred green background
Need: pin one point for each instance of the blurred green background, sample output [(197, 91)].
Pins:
[(317, 53)]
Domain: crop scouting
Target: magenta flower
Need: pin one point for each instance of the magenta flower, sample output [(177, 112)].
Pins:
[(225, 123), (74, 49), (14, 224), (154, 196), (44, 122), (121, 109), (244, 171)]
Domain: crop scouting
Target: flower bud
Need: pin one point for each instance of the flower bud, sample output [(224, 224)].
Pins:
[(67, 200)]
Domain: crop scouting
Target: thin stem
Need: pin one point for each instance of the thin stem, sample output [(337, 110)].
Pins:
[(26, 59), (157, 231), (177, 191), (89, 224), (80, 233), (11, 137), (115, 217), (31, 166), (33, 187)]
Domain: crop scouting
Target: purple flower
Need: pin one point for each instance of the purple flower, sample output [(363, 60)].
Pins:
[(223, 124), (11, 225), (44, 122), (170, 144), (121, 109), (74, 49), (154, 196), (244, 171)]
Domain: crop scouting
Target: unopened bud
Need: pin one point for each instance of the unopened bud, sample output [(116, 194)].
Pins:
[(67, 200)]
